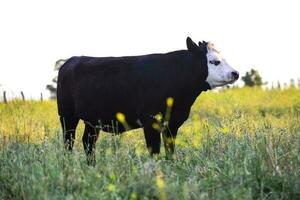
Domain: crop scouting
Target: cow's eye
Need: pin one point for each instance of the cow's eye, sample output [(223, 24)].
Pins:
[(215, 62)]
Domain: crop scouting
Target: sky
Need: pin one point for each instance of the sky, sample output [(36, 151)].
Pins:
[(264, 35)]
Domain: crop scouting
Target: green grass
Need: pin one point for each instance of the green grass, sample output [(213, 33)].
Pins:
[(237, 144)]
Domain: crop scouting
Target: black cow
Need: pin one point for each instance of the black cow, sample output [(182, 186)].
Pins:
[(96, 89)]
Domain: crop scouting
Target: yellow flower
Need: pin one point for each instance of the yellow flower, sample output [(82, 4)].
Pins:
[(120, 117), (111, 187), (170, 101), (160, 183), (158, 117), (160, 186), (155, 126), (133, 196), (225, 130)]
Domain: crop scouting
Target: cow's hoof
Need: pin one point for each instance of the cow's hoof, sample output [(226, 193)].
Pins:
[(91, 161)]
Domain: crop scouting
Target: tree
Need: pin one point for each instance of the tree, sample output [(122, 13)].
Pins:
[(292, 83), (278, 85), (252, 79), (53, 86)]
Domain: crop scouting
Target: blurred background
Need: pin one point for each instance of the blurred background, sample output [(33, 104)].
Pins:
[(258, 35)]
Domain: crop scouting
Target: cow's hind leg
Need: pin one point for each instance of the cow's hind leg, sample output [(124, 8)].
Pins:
[(89, 139), (69, 125), (152, 137)]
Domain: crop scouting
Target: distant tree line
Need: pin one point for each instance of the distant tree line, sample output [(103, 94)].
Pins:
[(52, 88), (252, 78)]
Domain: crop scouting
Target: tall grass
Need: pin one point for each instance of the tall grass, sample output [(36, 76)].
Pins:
[(237, 144)]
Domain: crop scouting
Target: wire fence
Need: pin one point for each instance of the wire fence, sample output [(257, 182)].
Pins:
[(7, 96)]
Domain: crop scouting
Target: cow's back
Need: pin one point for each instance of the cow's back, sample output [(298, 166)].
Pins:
[(97, 88)]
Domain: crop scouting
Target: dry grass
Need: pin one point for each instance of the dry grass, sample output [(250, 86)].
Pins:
[(237, 144)]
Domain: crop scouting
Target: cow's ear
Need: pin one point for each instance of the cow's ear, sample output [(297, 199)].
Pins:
[(203, 43), (203, 47), (191, 46)]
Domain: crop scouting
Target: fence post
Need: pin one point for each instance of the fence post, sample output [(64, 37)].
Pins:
[(4, 97), (41, 97), (22, 94)]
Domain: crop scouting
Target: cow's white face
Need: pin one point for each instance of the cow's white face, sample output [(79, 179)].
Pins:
[(220, 73)]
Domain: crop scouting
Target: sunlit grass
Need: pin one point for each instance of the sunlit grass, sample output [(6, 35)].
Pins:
[(236, 144)]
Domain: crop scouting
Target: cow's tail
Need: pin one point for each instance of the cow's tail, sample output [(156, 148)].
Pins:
[(60, 63)]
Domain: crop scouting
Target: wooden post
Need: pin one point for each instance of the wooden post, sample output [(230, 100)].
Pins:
[(22, 94), (41, 97), (4, 97)]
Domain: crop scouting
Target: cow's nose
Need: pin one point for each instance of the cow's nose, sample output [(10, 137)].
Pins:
[(235, 75)]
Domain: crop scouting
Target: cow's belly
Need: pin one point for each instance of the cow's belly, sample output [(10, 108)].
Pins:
[(119, 128), (114, 126)]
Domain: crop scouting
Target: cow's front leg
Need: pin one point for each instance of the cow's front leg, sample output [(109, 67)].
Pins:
[(152, 138), (169, 136), (170, 131), (89, 139)]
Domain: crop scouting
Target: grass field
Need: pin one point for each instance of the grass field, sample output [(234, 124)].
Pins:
[(237, 144)]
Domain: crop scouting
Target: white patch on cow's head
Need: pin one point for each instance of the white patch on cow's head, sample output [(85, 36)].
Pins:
[(220, 73)]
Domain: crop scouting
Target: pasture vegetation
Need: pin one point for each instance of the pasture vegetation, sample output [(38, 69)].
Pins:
[(237, 144)]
